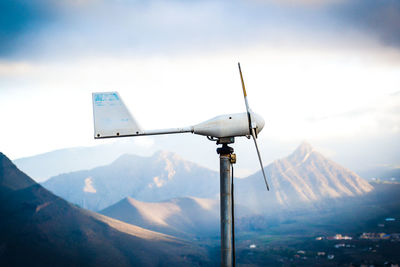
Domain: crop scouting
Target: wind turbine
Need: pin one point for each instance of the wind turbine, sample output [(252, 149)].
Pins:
[(112, 119)]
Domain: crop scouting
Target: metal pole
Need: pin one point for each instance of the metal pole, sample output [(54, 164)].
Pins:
[(226, 205)]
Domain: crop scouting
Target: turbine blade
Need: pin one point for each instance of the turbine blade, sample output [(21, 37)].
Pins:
[(253, 133), (251, 128), (245, 99), (244, 89)]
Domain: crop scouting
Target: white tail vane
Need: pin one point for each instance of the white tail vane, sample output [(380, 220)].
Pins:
[(252, 125), (111, 117)]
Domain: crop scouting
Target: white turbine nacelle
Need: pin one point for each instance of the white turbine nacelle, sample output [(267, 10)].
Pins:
[(229, 125), (113, 119)]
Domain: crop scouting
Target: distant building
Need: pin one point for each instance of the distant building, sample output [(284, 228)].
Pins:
[(395, 236), (391, 264), (339, 237), (375, 236)]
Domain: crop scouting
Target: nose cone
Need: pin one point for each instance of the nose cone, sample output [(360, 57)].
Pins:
[(259, 122)]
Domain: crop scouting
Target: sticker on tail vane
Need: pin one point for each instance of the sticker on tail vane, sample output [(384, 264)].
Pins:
[(111, 117)]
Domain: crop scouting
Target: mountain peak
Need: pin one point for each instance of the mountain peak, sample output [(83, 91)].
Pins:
[(3, 158), (302, 152), (307, 176), (11, 177), (181, 216), (163, 154), (304, 148)]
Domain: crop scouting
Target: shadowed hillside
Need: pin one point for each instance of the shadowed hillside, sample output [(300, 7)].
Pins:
[(40, 229)]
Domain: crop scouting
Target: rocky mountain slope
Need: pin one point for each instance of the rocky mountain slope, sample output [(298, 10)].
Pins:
[(304, 177), (185, 217), (38, 228), (160, 177)]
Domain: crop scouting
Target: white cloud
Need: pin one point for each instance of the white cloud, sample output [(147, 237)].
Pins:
[(317, 3)]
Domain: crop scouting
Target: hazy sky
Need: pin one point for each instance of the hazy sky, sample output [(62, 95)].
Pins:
[(323, 71)]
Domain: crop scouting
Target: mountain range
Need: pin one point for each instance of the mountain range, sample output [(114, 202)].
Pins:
[(38, 228), (157, 178), (43, 166), (167, 194), (305, 177)]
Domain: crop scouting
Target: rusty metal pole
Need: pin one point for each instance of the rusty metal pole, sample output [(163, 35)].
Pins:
[(225, 153)]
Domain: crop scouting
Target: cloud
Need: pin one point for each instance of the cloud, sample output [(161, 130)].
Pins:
[(356, 113), (378, 118), (379, 18), (18, 19), (62, 28), (75, 28), (296, 3)]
